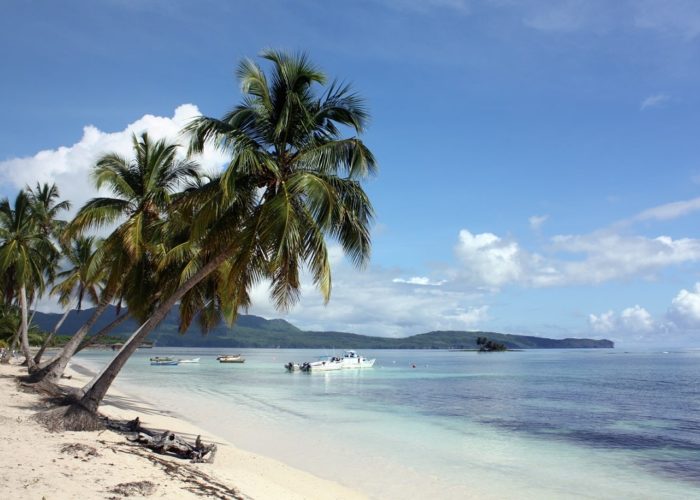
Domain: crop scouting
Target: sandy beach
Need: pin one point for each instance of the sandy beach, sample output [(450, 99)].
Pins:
[(43, 465)]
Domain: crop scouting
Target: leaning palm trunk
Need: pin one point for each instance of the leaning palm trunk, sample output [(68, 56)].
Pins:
[(53, 370), (24, 328), (29, 322), (97, 388), (102, 333), (37, 358)]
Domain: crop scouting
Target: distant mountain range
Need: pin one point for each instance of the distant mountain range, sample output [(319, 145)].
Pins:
[(254, 331)]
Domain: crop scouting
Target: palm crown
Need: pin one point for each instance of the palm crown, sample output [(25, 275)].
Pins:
[(286, 141)]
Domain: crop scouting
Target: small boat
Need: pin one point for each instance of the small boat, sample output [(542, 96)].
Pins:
[(193, 360), (231, 358), (326, 363), (164, 362), (293, 367), (162, 358), (353, 360)]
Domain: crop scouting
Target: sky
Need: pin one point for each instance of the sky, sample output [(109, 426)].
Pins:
[(539, 160)]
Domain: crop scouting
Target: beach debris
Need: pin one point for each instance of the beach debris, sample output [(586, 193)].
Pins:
[(81, 451), (169, 443), (135, 488), (197, 481)]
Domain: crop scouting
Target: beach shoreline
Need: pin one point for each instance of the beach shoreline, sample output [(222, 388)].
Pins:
[(96, 464)]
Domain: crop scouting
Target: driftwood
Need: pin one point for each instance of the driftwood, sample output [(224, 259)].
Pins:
[(169, 443), (197, 481)]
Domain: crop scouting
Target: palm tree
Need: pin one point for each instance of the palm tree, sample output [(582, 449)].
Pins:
[(143, 189), (78, 281), (45, 208), (26, 254), (292, 181)]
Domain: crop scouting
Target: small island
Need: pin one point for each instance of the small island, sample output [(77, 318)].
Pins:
[(487, 345)]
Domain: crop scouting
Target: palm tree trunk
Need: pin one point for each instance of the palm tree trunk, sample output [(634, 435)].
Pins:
[(24, 327), (97, 388), (116, 322), (53, 370), (37, 358)]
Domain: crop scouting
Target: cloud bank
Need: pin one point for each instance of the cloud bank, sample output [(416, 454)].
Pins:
[(69, 166)]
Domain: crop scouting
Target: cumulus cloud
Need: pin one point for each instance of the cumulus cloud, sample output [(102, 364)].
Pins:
[(608, 256), (634, 319), (603, 323), (682, 317), (654, 101), (69, 166), (488, 260), (684, 311)]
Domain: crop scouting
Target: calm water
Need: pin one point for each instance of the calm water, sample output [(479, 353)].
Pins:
[(532, 424)]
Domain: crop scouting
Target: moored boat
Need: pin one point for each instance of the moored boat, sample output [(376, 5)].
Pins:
[(325, 364), (164, 362), (231, 358), (353, 360), (161, 358)]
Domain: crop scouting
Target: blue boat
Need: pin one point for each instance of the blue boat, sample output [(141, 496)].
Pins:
[(164, 361)]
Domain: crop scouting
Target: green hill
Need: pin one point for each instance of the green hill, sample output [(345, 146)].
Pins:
[(254, 331)]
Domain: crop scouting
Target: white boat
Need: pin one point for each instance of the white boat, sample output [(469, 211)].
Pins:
[(325, 364), (164, 362), (231, 358), (193, 360), (292, 367), (353, 360)]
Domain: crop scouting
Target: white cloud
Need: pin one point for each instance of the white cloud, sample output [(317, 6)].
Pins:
[(654, 101), (373, 303), (603, 323), (536, 221), (669, 210), (487, 259), (419, 280), (69, 166), (608, 256), (634, 319), (684, 311), (472, 317)]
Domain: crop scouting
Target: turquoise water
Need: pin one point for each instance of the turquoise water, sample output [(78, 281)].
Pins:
[(531, 424)]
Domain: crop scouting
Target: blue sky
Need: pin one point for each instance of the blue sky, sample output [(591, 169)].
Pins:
[(540, 160)]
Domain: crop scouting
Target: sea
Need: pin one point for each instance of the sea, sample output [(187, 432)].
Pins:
[(534, 424)]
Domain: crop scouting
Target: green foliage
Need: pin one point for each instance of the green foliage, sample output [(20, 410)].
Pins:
[(293, 180), (489, 345)]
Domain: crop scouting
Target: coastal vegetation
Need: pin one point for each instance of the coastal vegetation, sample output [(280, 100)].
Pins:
[(177, 236), (486, 345)]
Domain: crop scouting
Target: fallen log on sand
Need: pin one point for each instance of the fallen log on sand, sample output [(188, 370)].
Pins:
[(169, 443)]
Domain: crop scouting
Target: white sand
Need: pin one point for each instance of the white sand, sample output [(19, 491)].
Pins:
[(33, 465)]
